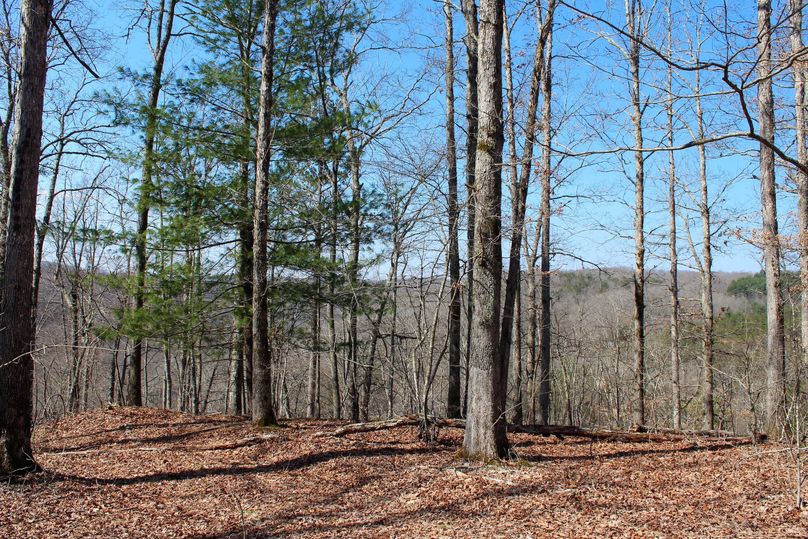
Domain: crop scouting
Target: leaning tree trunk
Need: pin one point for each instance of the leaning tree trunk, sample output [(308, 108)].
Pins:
[(485, 436), (16, 330), (262, 411), (134, 388), (453, 398), (775, 337)]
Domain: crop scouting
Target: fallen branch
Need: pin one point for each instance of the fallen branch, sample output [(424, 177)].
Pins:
[(561, 431), (633, 437), (404, 421)]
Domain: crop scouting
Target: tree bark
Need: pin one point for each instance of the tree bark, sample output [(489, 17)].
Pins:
[(520, 187), (263, 413), (674, 257), (313, 387), (485, 436), (634, 23), (453, 398), (706, 272), (800, 79), (545, 381), (775, 335), (469, 8), (16, 330)]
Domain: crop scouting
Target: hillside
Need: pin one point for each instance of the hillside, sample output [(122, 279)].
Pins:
[(124, 472)]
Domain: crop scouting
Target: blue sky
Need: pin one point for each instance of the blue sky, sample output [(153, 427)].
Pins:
[(595, 224)]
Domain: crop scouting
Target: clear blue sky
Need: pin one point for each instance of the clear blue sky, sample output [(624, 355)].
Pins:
[(595, 222)]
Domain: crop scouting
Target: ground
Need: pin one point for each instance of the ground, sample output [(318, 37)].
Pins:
[(127, 472)]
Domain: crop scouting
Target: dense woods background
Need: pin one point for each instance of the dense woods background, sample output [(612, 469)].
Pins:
[(355, 209)]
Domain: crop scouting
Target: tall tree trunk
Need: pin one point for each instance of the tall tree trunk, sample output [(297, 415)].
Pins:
[(800, 79), (706, 271), (533, 320), (520, 187), (485, 436), (134, 389), (262, 410), (453, 408), (545, 386), (775, 335), (16, 330), (634, 23), (353, 280), (674, 257), (469, 8), (336, 397), (313, 388)]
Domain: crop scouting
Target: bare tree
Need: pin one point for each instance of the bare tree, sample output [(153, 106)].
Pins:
[(469, 8), (636, 29), (544, 214), (485, 436), (520, 187), (674, 258), (17, 332), (453, 408), (800, 80), (775, 336)]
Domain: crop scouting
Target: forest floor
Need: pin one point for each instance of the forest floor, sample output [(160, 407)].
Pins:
[(127, 472)]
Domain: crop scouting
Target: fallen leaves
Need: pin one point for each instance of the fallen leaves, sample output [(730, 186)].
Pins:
[(153, 473)]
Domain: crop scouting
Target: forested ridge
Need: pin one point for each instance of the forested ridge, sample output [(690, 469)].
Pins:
[(304, 237)]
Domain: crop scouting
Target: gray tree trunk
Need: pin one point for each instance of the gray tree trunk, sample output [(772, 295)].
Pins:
[(800, 77), (453, 408), (634, 23), (262, 410), (469, 8), (706, 268), (545, 385), (485, 436), (674, 256), (775, 336), (16, 330), (520, 189)]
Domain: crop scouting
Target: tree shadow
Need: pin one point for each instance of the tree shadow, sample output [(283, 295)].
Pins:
[(164, 438), (127, 427), (296, 463), (628, 453)]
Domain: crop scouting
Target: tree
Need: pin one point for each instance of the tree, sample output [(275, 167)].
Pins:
[(485, 436), (800, 103), (17, 333), (705, 265), (164, 24), (453, 408), (262, 409), (636, 30), (469, 8), (676, 395), (545, 213), (775, 334), (520, 185)]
